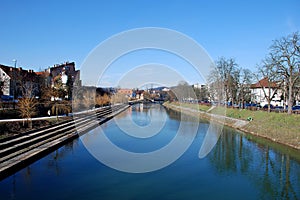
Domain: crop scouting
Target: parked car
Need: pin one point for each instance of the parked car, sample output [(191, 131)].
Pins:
[(6, 98), (251, 105), (266, 106), (279, 108), (296, 107)]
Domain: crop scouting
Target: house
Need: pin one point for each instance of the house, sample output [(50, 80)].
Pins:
[(14, 81), (63, 74), (5, 81), (140, 94), (263, 86), (125, 92)]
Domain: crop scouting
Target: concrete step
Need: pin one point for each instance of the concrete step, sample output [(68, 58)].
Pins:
[(25, 142)]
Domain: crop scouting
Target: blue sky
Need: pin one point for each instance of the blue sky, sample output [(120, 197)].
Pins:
[(42, 33)]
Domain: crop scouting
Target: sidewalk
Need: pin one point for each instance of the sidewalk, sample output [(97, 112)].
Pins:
[(52, 117), (33, 119)]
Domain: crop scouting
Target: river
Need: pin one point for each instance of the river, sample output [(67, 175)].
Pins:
[(238, 167)]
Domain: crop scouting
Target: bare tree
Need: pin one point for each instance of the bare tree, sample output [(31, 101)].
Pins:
[(285, 55), (61, 107), (27, 104), (184, 91), (227, 74), (45, 90), (170, 96), (244, 86), (272, 79), (216, 87)]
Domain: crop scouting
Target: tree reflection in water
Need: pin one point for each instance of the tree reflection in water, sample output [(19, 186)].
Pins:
[(266, 168)]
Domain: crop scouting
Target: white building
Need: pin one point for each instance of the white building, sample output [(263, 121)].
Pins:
[(4, 82), (264, 88)]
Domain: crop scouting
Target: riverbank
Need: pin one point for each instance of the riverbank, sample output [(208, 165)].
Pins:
[(277, 127)]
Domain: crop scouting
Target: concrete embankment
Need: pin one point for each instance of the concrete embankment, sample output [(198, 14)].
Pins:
[(244, 126), (19, 151), (234, 123)]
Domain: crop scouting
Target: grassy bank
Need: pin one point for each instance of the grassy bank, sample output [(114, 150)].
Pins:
[(278, 127)]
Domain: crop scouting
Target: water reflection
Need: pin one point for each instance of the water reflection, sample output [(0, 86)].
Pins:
[(236, 168), (268, 170)]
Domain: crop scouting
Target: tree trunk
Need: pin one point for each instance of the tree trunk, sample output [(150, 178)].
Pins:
[(30, 124), (290, 101), (269, 104)]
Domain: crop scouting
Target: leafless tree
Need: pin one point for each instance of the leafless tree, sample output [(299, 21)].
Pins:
[(27, 104), (268, 71), (227, 73), (245, 81), (61, 107), (216, 87), (285, 55), (183, 91)]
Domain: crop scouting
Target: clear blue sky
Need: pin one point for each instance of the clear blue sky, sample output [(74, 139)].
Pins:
[(42, 33)]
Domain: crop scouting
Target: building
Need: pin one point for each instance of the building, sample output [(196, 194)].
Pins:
[(264, 86), (125, 92), (14, 81), (63, 74)]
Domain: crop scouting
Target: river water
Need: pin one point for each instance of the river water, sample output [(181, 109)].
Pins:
[(238, 167)]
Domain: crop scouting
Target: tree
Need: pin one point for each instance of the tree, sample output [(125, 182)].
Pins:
[(45, 90), (27, 104), (216, 87), (59, 90), (225, 76), (244, 93), (102, 100), (61, 107), (170, 96), (272, 79), (285, 56), (183, 91), (201, 93)]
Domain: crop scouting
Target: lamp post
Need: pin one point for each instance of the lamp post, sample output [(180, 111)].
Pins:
[(14, 82)]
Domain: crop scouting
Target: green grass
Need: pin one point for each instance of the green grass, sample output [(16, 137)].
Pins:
[(189, 105), (279, 127)]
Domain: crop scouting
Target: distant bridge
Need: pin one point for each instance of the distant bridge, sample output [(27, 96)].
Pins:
[(146, 100)]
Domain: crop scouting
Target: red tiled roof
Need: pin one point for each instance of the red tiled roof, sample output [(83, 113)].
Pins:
[(18, 72), (39, 73), (264, 83)]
